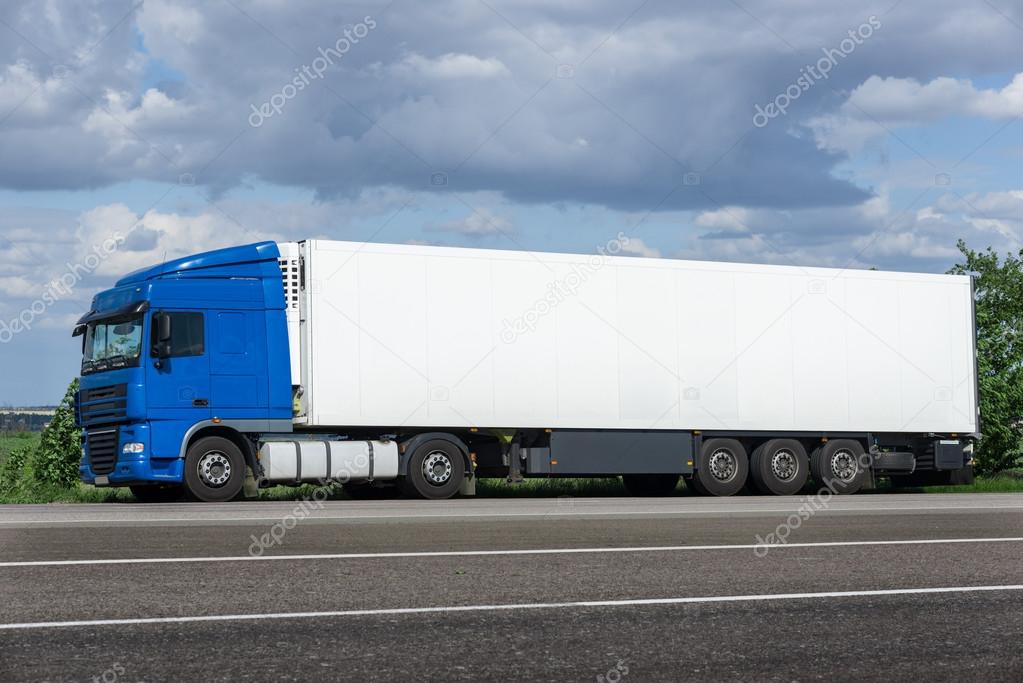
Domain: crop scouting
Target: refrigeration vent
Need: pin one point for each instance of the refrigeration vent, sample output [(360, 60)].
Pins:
[(290, 274)]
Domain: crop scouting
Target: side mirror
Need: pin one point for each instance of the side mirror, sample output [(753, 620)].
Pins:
[(161, 335)]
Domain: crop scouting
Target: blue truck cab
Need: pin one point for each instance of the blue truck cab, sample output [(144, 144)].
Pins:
[(189, 348)]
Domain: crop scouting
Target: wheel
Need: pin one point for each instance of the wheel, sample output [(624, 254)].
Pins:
[(779, 467), (156, 493), (214, 470), (650, 484), (435, 470), (369, 492), (721, 467), (840, 465)]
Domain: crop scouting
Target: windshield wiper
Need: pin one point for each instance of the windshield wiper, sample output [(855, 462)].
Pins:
[(120, 359)]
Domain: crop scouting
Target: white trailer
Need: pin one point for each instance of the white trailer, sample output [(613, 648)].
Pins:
[(540, 364)]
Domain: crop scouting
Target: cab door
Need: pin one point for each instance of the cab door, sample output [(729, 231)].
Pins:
[(178, 371)]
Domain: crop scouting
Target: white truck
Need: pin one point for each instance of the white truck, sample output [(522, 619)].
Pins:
[(428, 367)]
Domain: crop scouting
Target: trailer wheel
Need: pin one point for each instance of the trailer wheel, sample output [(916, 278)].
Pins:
[(159, 493), (648, 485), (779, 467), (435, 470), (840, 466), (721, 467), (214, 470)]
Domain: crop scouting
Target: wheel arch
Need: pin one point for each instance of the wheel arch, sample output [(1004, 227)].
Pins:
[(244, 444), (407, 446)]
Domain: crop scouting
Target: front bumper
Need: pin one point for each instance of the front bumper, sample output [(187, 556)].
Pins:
[(130, 468)]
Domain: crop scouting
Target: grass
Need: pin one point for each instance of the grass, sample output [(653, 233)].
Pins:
[(13, 440), (79, 494)]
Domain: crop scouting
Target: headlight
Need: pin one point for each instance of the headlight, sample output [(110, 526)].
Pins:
[(133, 447)]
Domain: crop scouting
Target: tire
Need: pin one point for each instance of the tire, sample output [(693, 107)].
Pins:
[(840, 466), (779, 467), (157, 493), (650, 485), (721, 467), (435, 471), (214, 470)]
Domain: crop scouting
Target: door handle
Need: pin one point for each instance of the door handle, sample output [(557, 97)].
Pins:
[(200, 402)]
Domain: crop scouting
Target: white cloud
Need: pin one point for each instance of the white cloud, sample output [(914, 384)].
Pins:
[(880, 104), (478, 223), (452, 66), (637, 247), (731, 218), (175, 19)]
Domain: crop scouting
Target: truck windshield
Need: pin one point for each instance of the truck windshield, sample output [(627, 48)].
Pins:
[(112, 344)]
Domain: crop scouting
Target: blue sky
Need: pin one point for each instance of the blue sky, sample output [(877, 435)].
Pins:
[(505, 124)]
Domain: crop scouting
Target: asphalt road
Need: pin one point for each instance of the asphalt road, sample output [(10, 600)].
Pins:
[(611, 589)]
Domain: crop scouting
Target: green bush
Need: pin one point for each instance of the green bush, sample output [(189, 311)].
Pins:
[(15, 469), (47, 470), (56, 461), (999, 308)]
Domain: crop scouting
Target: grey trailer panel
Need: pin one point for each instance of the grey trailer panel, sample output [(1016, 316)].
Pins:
[(583, 452)]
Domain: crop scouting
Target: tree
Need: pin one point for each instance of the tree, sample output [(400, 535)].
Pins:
[(999, 292), (60, 446)]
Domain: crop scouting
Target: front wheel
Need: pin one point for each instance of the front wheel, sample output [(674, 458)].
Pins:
[(435, 470), (214, 470)]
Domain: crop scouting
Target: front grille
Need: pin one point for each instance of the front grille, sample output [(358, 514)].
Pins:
[(102, 448), (103, 404)]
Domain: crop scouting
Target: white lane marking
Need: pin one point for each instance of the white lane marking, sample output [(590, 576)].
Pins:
[(522, 606), (356, 516), (484, 553)]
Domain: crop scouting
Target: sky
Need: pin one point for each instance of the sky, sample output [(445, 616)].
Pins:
[(806, 132)]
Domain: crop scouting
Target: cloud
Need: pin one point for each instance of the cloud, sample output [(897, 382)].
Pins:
[(452, 66), (478, 223), (413, 97), (635, 246), (881, 104)]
